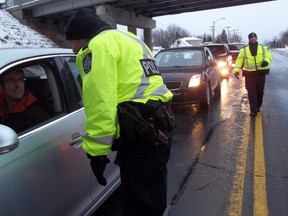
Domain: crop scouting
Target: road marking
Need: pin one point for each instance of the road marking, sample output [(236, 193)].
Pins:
[(236, 196), (260, 196)]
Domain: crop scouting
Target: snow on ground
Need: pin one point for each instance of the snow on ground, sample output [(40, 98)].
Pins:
[(282, 51), (15, 34)]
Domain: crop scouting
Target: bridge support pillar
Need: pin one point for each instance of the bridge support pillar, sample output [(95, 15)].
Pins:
[(115, 16)]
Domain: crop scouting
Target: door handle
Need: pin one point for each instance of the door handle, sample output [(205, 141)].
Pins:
[(75, 139)]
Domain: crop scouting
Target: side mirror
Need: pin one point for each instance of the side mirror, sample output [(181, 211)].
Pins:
[(8, 139)]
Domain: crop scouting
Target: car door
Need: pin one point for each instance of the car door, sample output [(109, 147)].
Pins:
[(45, 175), (112, 174)]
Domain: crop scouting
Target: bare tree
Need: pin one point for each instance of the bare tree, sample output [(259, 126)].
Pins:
[(165, 38), (284, 37), (222, 38), (205, 37)]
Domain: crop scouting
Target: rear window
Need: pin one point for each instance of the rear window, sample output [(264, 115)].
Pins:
[(235, 46), (217, 50)]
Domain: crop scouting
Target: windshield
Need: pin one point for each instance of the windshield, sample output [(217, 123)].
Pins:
[(181, 58)]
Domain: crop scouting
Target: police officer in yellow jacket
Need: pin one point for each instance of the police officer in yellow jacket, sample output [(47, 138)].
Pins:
[(121, 86), (254, 60)]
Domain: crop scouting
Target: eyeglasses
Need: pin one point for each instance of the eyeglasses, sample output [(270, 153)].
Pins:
[(13, 81)]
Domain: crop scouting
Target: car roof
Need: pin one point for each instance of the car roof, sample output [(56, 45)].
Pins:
[(184, 48), (10, 55), (236, 43), (215, 44)]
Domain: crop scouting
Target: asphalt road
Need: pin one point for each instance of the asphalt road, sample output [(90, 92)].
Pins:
[(224, 162)]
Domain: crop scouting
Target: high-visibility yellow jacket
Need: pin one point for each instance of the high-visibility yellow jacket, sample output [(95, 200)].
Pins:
[(250, 63), (115, 67)]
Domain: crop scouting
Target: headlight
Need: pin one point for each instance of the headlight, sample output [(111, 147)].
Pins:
[(195, 80), (224, 71), (221, 63)]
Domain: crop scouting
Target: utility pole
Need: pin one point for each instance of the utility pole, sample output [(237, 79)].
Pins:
[(213, 29), (234, 32), (228, 33)]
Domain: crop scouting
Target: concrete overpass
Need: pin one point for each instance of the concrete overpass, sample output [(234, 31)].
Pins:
[(53, 14)]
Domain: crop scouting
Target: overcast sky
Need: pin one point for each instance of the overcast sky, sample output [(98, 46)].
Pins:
[(267, 20)]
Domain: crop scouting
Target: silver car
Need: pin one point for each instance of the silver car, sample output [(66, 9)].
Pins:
[(44, 170)]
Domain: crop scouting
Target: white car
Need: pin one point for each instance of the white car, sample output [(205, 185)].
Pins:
[(44, 170)]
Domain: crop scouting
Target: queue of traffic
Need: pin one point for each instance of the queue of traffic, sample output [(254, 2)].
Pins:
[(194, 73)]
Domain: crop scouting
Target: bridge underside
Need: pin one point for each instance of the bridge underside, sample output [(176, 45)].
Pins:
[(131, 13)]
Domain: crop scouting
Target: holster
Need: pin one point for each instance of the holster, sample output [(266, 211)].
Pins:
[(162, 114), (152, 119)]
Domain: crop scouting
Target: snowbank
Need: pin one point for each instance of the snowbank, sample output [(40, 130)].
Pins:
[(15, 34)]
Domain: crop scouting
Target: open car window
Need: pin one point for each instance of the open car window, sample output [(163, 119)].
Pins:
[(39, 103)]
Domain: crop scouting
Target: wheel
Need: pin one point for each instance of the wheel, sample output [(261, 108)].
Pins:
[(205, 102)]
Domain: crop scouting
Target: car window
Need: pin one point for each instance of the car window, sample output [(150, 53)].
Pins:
[(182, 58), (236, 46), (39, 101), (233, 47), (71, 62), (209, 56), (217, 50)]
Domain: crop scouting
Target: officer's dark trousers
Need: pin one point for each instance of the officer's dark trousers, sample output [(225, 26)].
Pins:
[(143, 172), (254, 83)]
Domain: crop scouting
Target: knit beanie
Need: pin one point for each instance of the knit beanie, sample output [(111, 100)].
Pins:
[(251, 35), (83, 24)]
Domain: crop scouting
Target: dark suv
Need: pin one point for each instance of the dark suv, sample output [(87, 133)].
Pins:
[(224, 57)]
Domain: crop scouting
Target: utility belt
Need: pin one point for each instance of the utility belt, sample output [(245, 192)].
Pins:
[(154, 120)]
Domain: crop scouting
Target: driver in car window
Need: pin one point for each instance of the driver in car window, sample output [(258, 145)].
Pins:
[(19, 109)]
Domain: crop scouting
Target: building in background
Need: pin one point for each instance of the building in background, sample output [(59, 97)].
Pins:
[(187, 41)]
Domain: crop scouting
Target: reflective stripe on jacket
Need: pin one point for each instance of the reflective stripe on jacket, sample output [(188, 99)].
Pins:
[(250, 63), (115, 67)]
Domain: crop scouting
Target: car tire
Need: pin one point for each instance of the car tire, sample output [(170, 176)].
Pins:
[(206, 101)]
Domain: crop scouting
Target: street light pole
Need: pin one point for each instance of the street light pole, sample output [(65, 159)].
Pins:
[(213, 29)]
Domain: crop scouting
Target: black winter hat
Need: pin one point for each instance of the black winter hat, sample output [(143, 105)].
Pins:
[(83, 24), (251, 35)]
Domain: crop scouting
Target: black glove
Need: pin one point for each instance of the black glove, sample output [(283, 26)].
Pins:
[(98, 165), (264, 64), (116, 145), (236, 75)]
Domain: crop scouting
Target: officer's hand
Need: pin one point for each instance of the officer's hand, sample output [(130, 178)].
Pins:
[(98, 165), (264, 64), (236, 75)]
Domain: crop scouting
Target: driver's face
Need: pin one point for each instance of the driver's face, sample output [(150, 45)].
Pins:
[(14, 85)]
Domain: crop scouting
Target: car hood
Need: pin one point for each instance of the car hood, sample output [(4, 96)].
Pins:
[(177, 73)]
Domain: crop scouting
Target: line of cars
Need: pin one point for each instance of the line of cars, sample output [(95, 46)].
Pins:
[(194, 73)]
